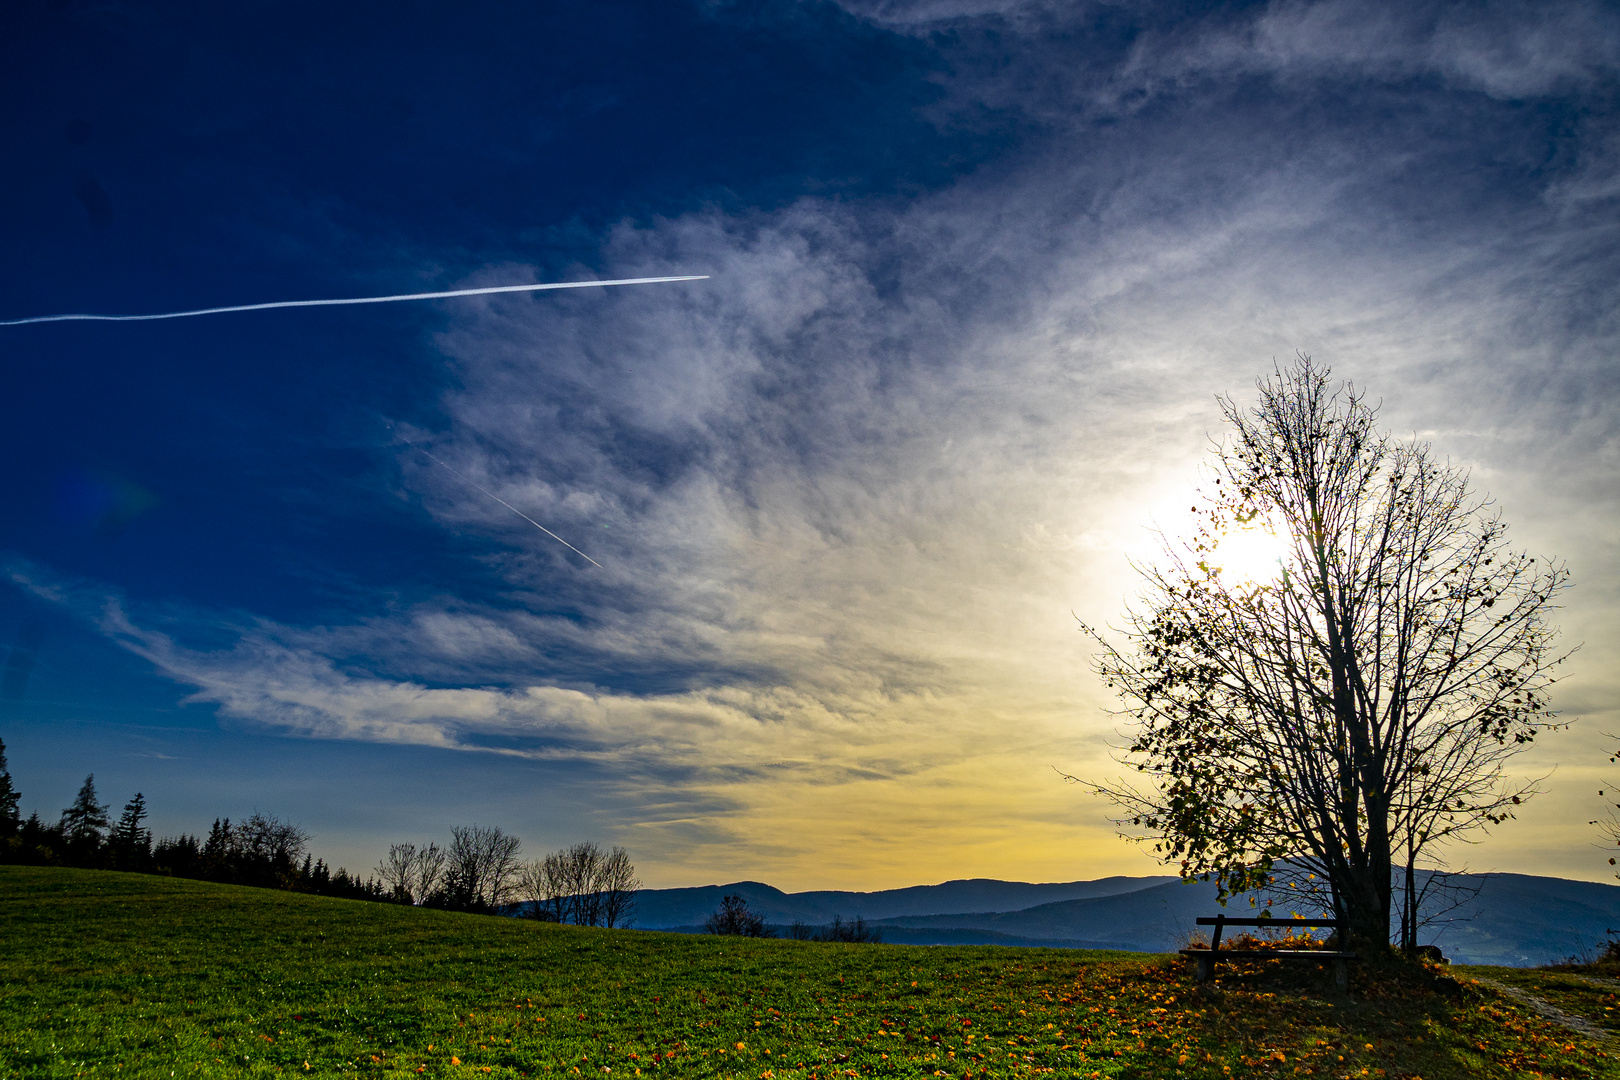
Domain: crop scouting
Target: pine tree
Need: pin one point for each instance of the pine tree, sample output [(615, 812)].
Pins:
[(219, 852), (132, 844), (10, 818), (178, 855), (37, 843), (85, 822)]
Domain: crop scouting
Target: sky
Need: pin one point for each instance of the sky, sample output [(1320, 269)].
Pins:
[(978, 270)]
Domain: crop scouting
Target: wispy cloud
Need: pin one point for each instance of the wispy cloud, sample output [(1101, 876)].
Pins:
[(1506, 50)]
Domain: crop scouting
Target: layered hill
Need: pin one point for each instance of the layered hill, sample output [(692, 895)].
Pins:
[(666, 908)]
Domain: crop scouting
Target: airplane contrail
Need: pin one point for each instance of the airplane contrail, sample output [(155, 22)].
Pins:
[(485, 291), (473, 483)]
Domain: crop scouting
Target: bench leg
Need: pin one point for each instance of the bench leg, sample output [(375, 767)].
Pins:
[(1206, 969), (1341, 974)]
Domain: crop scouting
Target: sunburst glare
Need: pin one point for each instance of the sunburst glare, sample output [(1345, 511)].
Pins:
[(1249, 556)]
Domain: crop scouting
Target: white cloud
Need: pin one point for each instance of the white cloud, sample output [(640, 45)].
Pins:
[(1505, 49)]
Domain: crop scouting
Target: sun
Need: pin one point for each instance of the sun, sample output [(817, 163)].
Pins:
[(1249, 556)]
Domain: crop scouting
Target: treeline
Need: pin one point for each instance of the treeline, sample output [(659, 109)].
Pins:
[(480, 870), (261, 850), (734, 918)]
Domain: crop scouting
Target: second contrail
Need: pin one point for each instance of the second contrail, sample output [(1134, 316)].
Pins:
[(448, 294), (470, 481)]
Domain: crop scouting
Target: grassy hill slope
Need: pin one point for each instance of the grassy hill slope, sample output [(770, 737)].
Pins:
[(119, 974)]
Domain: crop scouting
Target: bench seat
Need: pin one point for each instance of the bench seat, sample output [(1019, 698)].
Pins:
[(1208, 958), (1274, 954)]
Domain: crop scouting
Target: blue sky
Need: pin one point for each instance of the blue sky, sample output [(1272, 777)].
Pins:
[(978, 270)]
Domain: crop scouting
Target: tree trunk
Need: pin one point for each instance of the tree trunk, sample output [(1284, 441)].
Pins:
[(1409, 908)]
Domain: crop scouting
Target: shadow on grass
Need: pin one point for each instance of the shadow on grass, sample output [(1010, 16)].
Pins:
[(1398, 1020)]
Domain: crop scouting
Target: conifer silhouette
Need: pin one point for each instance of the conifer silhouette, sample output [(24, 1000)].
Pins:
[(85, 822), (131, 843), (10, 818)]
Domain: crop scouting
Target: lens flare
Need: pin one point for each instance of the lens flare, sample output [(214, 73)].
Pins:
[(100, 501)]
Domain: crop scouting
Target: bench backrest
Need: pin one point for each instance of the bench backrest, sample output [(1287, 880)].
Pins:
[(1221, 922)]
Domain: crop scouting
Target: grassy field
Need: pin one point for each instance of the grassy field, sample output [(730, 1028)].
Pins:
[(112, 974)]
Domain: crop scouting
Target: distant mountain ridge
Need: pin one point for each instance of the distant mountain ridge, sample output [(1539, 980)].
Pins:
[(1517, 919), (667, 908)]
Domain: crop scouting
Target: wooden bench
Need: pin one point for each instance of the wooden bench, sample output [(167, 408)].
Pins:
[(1208, 958)]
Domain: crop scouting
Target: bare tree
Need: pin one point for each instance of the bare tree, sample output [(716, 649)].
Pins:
[(266, 850), (1609, 823), (573, 873), (266, 838), (429, 871), (583, 885), (396, 872), (616, 885), (734, 918), (412, 873), (855, 930), (1355, 709), (538, 888), (1435, 898), (481, 867)]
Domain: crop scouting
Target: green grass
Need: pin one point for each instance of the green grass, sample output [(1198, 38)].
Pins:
[(119, 974), (1564, 988)]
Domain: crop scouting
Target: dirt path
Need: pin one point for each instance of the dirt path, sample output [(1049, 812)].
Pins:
[(1552, 1012)]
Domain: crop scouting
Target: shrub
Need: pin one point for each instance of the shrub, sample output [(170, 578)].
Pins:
[(734, 918)]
